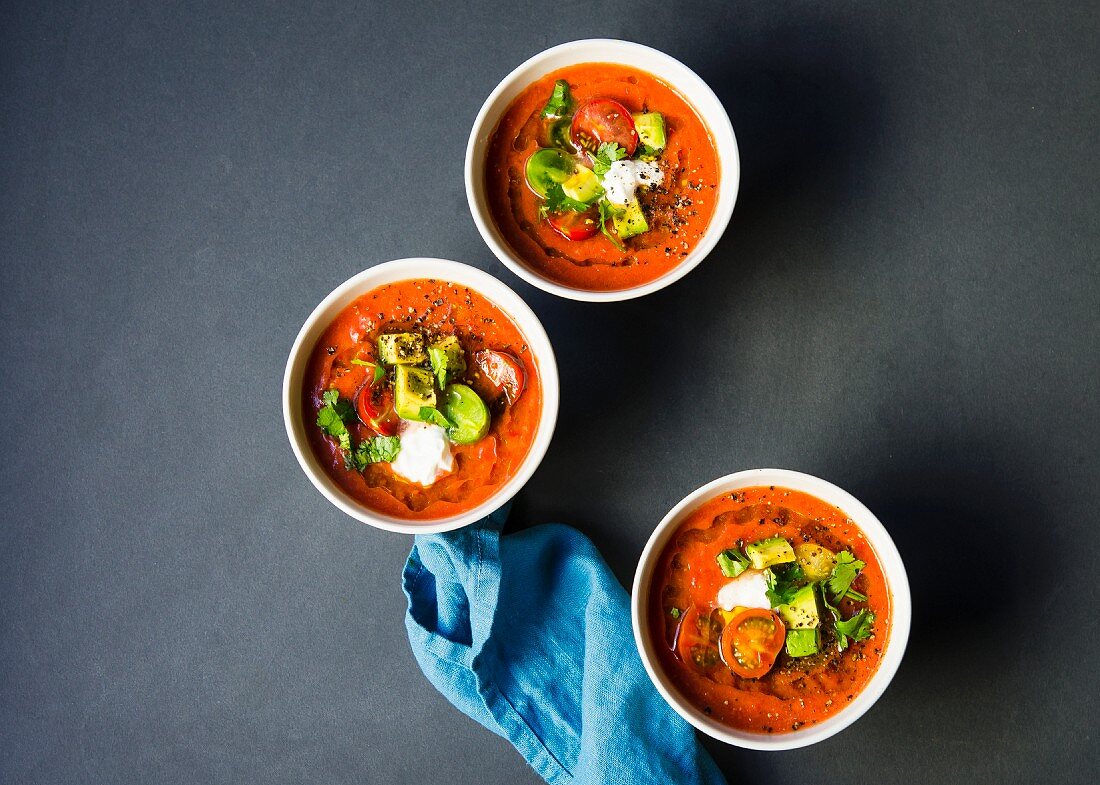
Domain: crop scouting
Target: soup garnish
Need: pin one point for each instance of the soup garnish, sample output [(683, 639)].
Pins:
[(425, 398), (772, 608), (601, 176)]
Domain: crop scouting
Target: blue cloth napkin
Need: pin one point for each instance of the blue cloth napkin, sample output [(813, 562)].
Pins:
[(530, 635)]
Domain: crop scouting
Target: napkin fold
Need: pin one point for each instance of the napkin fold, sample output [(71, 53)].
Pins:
[(530, 635)]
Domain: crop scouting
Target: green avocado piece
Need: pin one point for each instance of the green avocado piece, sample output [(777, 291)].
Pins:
[(804, 642), (630, 220), (801, 612), (582, 185), (448, 360), (413, 390), (401, 348), (468, 414), (651, 131), (769, 552)]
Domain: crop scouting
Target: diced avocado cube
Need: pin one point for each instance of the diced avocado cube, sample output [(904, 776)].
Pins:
[(401, 348), (801, 612), (582, 185), (412, 390), (803, 643), (769, 552), (651, 131), (448, 360), (630, 220)]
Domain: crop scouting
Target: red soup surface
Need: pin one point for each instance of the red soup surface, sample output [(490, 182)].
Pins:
[(346, 355), (690, 628), (677, 211)]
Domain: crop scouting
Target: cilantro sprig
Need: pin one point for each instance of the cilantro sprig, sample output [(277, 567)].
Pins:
[(607, 154), (377, 449), (607, 212), (857, 628), (732, 563), (379, 370), (332, 417), (558, 202), (433, 415), (783, 584), (845, 571)]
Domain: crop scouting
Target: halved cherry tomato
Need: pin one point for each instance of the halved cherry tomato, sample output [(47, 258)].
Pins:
[(604, 120), (374, 405), (751, 642), (696, 641), (576, 226), (503, 372)]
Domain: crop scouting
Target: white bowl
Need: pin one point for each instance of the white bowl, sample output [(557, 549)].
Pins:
[(603, 50), (892, 568), (403, 270)]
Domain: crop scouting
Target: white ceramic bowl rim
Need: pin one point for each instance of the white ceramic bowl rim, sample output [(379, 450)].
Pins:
[(892, 567), (645, 58), (402, 270)]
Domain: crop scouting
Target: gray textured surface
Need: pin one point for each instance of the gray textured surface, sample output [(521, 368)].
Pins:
[(906, 303)]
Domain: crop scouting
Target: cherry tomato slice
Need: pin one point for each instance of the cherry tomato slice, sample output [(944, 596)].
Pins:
[(374, 405), (503, 372), (696, 641), (751, 642), (576, 226), (604, 120)]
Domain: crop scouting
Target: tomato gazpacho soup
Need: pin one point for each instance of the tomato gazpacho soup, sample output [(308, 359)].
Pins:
[(426, 399), (769, 610), (601, 176)]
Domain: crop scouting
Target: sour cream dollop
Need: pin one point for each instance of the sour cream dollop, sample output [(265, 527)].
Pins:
[(625, 177), (425, 453), (747, 590)]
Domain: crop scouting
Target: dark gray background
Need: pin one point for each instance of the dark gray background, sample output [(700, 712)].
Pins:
[(906, 303)]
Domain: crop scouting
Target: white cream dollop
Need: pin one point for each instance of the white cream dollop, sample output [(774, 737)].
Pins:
[(747, 590), (625, 177), (425, 453)]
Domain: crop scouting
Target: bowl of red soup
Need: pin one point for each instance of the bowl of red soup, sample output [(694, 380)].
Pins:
[(771, 609), (420, 395), (602, 170)]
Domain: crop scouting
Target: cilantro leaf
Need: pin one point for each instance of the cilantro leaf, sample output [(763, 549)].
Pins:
[(674, 613), (784, 584), (845, 570), (331, 418), (379, 369), (558, 202), (329, 421), (607, 154), (561, 101), (607, 212), (379, 449), (732, 563), (433, 415), (334, 412), (857, 628)]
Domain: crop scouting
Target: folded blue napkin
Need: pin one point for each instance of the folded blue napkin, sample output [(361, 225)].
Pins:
[(530, 635)]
